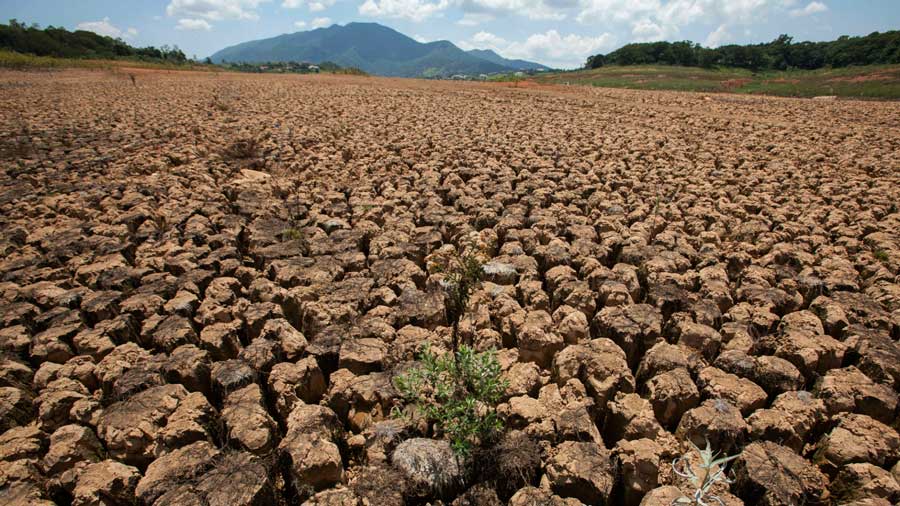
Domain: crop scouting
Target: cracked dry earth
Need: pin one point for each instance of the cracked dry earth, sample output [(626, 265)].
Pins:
[(191, 317)]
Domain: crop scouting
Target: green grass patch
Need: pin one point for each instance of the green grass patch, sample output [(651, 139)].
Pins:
[(20, 61), (869, 82)]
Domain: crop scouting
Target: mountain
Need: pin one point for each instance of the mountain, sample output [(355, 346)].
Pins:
[(371, 47), (487, 54)]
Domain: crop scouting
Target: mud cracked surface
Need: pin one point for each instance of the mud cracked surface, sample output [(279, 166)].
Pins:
[(209, 281)]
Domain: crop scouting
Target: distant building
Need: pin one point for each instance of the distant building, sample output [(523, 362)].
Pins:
[(313, 68)]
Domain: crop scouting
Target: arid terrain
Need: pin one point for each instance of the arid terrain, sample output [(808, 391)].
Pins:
[(208, 282)]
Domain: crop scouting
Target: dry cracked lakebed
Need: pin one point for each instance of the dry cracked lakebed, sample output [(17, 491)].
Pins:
[(208, 283)]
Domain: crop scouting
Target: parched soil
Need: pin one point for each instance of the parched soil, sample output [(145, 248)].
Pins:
[(209, 281)]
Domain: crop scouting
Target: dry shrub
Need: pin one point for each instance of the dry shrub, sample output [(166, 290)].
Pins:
[(380, 484), (509, 465), (246, 148)]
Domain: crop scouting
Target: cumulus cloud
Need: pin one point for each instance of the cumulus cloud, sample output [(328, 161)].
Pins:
[(474, 19), (718, 37), (663, 19), (550, 48), (104, 27), (320, 22), (413, 10), (811, 8), (191, 24), (531, 9), (300, 24), (313, 5), (215, 10)]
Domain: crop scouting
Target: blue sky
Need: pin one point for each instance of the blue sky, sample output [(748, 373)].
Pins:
[(560, 33)]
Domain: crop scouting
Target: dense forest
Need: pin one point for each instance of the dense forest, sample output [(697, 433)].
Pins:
[(61, 43), (780, 54)]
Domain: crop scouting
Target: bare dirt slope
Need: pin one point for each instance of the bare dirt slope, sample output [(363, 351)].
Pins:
[(208, 281)]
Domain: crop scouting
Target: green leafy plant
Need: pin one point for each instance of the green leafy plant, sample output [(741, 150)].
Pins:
[(462, 269), (712, 471), (459, 392)]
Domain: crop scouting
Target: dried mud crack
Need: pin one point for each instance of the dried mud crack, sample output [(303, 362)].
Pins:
[(209, 282)]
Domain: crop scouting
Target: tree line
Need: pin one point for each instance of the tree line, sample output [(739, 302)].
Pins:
[(780, 54), (61, 43)]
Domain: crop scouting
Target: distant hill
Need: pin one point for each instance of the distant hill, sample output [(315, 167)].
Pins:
[(491, 56), (373, 48)]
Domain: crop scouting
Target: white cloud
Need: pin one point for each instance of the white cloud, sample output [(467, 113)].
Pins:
[(549, 48), (718, 37), (645, 30), (474, 19), (215, 10), (300, 24), (314, 5), (292, 4), (193, 24), (811, 8), (104, 27), (532, 9), (320, 22), (413, 10), (663, 19)]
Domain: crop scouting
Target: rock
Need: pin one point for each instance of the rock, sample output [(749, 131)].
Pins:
[(479, 495), (189, 366), (293, 343), (221, 340), (792, 417), (599, 364), (639, 461), (856, 482), (362, 356), (261, 354), (672, 394), (290, 382), (361, 399), (173, 468), (630, 417), (776, 375), (582, 471), (308, 448), (130, 429), (523, 378), (429, 465), (106, 483), (189, 422), (537, 341), (173, 332), (230, 375), (875, 354), (635, 328), (54, 404), (247, 423), (715, 420), (849, 390), (857, 439), (531, 496), (26, 442), (741, 392), (702, 338), (70, 446), (15, 408), (662, 357), (767, 473)]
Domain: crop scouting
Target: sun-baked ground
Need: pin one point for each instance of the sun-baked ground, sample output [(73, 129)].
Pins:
[(209, 280)]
